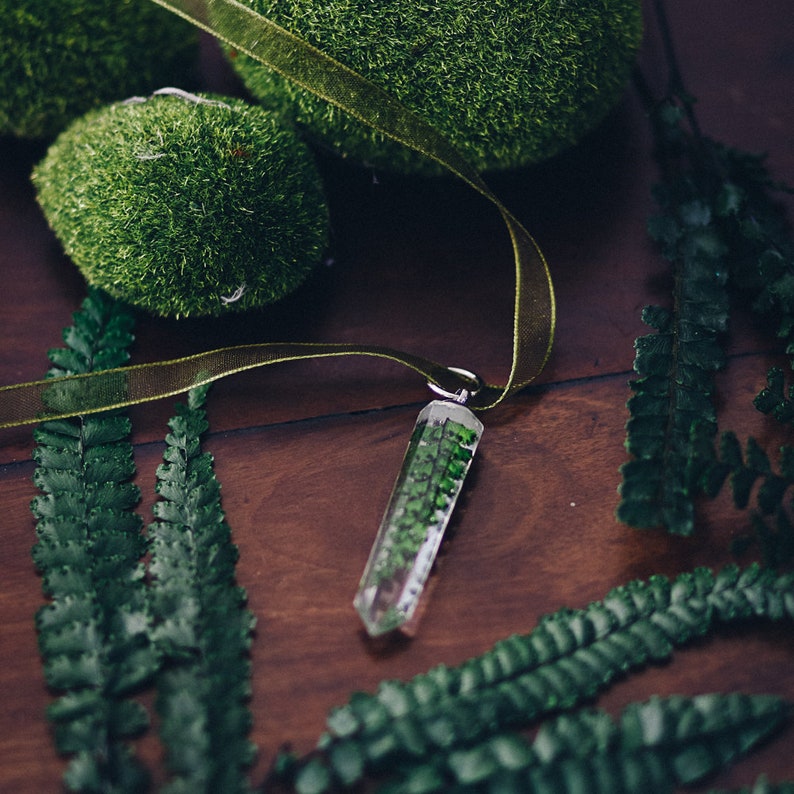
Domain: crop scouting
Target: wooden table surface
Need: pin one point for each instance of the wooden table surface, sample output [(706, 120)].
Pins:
[(307, 453)]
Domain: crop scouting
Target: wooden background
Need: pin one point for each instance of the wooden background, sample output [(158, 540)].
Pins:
[(307, 453)]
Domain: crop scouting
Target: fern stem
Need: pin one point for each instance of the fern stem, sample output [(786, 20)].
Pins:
[(675, 83)]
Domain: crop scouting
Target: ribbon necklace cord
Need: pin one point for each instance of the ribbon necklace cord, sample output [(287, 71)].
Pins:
[(253, 34)]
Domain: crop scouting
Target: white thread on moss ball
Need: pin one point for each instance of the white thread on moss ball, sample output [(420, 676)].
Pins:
[(146, 154), (186, 95), (235, 296)]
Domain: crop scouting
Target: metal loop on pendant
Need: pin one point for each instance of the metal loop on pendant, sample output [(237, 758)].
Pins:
[(462, 394)]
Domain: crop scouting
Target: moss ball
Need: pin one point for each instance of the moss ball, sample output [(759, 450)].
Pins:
[(60, 58), (510, 82), (185, 205)]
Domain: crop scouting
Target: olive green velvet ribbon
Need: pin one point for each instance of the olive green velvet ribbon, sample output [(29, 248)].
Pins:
[(251, 33)]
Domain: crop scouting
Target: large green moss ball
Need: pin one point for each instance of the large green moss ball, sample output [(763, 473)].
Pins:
[(510, 82), (185, 205), (60, 58)]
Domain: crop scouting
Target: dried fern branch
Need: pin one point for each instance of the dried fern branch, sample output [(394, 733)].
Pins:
[(203, 629), (652, 748), (569, 657), (751, 476), (94, 632), (719, 227)]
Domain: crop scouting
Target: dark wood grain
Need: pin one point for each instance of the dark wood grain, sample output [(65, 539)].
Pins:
[(307, 453)]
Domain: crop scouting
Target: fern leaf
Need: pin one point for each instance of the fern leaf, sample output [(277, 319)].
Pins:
[(756, 229), (719, 222), (675, 366), (569, 657), (653, 747), (719, 227), (98, 339), (774, 399), (203, 628), (747, 472), (94, 632)]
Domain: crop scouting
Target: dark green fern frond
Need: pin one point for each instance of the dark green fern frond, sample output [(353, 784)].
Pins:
[(757, 231), (774, 537), (569, 657), (720, 228), (653, 747), (676, 365), (203, 628), (672, 395), (717, 223), (99, 338), (94, 632), (744, 471), (750, 473), (775, 399)]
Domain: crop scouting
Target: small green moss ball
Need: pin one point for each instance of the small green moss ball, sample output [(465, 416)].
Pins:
[(185, 206), (510, 82), (60, 58)]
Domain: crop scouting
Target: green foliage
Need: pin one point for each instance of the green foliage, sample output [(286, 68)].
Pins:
[(777, 541), (94, 632), (743, 471), (105, 635), (654, 745), (185, 206), (775, 400), (752, 477), (719, 227), (203, 629), (508, 82), (449, 729), (60, 58), (758, 235), (673, 393), (418, 729)]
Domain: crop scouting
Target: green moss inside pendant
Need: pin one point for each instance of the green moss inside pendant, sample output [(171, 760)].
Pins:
[(436, 462)]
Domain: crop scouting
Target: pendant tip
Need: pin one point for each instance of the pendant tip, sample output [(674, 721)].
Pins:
[(379, 618)]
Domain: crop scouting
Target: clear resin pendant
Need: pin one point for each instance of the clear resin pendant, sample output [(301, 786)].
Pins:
[(436, 462)]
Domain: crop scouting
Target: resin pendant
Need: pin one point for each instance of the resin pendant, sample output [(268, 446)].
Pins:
[(436, 462)]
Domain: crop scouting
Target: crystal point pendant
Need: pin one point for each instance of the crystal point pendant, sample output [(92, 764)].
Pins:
[(436, 462)]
